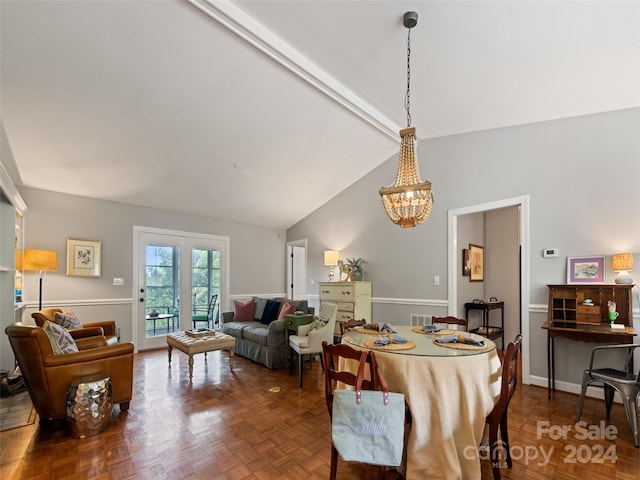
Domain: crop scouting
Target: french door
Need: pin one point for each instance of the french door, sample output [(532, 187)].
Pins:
[(176, 276)]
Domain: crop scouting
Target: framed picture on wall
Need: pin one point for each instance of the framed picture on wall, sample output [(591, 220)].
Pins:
[(466, 263), (83, 258), (476, 258), (585, 270)]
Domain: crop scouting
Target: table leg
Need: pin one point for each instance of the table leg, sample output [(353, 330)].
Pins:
[(231, 358), (190, 367), (169, 348)]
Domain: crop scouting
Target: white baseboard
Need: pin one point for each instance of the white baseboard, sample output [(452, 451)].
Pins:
[(592, 392)]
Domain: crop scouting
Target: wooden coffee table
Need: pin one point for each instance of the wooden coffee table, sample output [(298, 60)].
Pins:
[(192, 345)]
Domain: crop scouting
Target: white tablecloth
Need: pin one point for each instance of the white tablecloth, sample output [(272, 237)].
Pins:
[(449, 397)]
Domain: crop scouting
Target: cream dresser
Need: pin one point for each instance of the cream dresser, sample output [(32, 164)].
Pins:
[(353, 299)]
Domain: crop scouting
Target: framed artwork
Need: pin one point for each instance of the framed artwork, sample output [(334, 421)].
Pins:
[(83, 258), (466, 263), (585, 270), (476, 257)]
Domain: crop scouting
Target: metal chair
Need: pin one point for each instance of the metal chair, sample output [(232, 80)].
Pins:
[(452, 321), (498, 416), (621, 381), (207, 316)]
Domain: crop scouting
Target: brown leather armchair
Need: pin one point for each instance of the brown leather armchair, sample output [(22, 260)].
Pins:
[(107, 328), (47, 376)]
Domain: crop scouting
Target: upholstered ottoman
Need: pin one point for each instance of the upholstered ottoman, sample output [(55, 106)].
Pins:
[(192, 345)]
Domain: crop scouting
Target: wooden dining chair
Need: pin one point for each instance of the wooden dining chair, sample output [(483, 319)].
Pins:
[(351, 324), (498, 416), (452, 321), (332, 375)]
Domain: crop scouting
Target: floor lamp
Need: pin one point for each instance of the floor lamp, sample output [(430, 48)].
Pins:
[(40, 261)]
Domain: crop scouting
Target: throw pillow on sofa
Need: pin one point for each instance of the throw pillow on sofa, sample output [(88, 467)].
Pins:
[(68, 320), (61, 341), (270, 312), (287, 309), (243, 312)]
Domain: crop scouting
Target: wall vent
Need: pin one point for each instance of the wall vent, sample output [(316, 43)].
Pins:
[(419, 320)]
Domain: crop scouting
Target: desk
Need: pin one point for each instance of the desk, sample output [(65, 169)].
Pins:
[(486, 330), (582, 332), (163, 316), (450, 393)]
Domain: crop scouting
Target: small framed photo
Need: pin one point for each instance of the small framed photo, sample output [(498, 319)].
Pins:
[(476, 257), (585, 270), (466, 263), (83, 258)]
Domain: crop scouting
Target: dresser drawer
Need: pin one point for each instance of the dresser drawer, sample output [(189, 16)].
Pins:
[(344, 316), (345, 307), (588, 309), (588, 314), (337, 293)]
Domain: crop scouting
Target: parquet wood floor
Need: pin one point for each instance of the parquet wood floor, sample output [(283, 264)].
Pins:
[(231, 426)]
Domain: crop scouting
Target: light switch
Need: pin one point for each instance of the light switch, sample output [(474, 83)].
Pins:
[(118, 281)]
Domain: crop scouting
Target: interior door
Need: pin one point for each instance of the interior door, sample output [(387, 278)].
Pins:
[(177, 274), (297, 270)]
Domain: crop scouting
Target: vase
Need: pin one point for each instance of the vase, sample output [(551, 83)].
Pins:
[(356, 275)]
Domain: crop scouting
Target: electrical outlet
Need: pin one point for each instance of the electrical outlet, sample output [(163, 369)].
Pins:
[(436, 279), (118, 281)]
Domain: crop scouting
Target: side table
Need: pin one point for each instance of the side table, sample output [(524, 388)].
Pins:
[(486, 330), (291, 324), (89, 405)]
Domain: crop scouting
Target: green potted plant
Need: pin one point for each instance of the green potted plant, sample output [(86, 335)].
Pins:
[(355, 264)]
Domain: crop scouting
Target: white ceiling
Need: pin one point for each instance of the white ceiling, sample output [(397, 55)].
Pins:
[(153, 102)]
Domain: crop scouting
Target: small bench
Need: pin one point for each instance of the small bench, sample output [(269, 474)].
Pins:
[(192, 345)]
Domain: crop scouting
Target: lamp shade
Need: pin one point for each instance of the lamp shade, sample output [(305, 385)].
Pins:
[(40, 260), (331, 257), (622, 262)]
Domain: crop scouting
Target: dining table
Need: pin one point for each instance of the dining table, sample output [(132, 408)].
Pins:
[(449, 390)]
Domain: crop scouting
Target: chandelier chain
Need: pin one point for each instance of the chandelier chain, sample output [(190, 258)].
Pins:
[(407, 99)]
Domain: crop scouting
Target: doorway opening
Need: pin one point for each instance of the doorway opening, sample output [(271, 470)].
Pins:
[(455, 260)]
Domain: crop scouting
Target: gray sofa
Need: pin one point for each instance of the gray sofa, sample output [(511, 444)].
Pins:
[(261, 343)]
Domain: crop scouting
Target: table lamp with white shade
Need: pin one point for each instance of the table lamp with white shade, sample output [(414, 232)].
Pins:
[(331, 260)]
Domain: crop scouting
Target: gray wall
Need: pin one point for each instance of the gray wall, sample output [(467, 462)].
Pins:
[(257, 254), (582, 176)]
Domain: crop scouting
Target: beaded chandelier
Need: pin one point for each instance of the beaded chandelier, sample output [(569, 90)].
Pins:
[(409, 200)]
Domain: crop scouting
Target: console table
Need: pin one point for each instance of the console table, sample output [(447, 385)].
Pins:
[(487, 330)]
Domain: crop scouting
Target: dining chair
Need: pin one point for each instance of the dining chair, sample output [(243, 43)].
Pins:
[(498, 416), (310, 337), (452, 321), (206, 316), (613, 380), (333, 354), (351, 324)]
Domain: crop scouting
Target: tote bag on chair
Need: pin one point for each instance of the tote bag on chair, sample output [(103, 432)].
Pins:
[(368, 425)]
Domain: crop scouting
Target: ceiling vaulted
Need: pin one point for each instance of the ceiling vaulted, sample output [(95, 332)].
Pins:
[(152, 103)]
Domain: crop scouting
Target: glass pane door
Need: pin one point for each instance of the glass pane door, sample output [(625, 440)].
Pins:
[(181, 280), (162, 278), (205, 287)]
